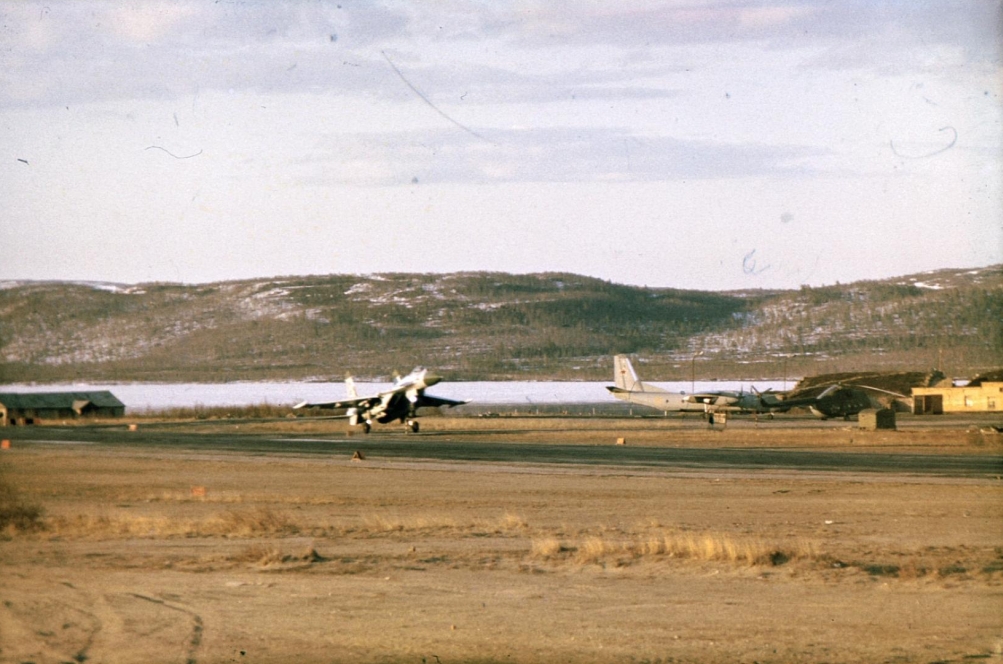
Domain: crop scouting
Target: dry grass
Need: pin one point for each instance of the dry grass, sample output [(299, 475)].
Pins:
[(547, 547), (213, 495), (264, 555), (259, 554), (510, 522), (743, 551), (385, 523), (647, 543), (251, 523), (16, 515), (267, 522), (694, 546), (255, 522)]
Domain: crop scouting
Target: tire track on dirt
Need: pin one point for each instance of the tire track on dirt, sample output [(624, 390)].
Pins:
[(82, 654), (195, 640), (76, 633)]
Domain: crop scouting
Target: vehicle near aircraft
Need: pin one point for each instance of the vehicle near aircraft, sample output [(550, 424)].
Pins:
[(400, 402), (632, 390)]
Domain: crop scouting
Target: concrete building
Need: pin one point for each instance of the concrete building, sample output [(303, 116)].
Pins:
[(986, 397), (32, 407)]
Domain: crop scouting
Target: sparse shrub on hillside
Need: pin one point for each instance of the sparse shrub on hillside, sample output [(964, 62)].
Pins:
[(881, 292)]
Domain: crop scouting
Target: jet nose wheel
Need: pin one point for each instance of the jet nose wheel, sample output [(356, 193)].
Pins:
[(412, 426)]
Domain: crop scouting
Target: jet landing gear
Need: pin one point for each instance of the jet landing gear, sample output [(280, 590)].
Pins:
[(412, 426), (356, 419)]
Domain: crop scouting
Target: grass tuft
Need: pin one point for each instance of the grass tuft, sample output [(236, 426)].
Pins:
[(259, 554), (264, 555), (512, 522), (596, 550), (381, 523), (255, 522), (548, 547)]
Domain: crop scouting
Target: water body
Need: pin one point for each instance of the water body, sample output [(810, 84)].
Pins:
[(139, 397)]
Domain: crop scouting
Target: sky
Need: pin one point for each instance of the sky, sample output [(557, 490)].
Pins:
[(706, 144)]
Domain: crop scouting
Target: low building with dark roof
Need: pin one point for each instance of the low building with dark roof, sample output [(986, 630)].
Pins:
[(32, 407)]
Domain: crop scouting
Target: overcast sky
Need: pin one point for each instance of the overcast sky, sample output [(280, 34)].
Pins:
[(709, 144)]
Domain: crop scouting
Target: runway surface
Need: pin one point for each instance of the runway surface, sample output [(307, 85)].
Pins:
[(453, 447)]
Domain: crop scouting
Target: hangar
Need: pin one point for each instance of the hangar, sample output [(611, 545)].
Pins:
[(31, 407), (984, 397)]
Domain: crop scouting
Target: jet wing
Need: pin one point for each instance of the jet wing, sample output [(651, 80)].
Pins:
[(362, 402), (425, 401)]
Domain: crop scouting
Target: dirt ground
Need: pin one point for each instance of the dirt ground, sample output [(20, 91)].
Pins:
[(159, 555)]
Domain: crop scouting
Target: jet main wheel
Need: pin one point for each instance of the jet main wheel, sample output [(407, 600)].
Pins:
[(412, 426), (366, 427)]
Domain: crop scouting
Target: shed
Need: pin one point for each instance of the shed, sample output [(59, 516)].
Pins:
[(873, 419), (31, 407)]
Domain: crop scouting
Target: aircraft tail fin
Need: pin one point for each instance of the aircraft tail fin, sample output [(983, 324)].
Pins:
[(624, 375), (350, 387), (626, 379)]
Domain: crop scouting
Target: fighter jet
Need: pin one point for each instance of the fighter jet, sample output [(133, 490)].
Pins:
[(630, 389), (401, 402)]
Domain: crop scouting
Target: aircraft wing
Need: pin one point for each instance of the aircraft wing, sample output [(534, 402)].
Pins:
[(362, 402), (426, 401)]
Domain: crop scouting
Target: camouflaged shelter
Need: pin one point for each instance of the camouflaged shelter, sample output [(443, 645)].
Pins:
[(32, 407)]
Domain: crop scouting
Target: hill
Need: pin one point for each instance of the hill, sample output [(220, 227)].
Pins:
[(483, 326)]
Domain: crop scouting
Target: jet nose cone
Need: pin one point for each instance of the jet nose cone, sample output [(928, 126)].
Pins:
[(431, 379)]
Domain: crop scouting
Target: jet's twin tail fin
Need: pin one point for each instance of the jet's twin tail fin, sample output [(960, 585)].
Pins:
[(350, 387), (626, 378)]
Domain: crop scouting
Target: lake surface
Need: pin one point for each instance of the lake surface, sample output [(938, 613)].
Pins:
[(156, 396)]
